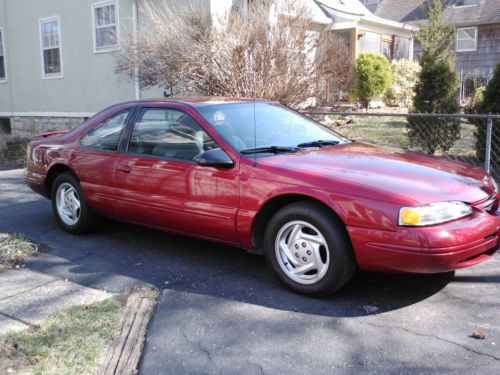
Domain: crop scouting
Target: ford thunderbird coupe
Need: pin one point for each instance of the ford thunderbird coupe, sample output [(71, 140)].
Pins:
[(260, 176)]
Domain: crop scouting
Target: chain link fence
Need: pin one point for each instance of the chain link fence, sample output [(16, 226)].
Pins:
[(471, 82), (13, 150), (473, 139)]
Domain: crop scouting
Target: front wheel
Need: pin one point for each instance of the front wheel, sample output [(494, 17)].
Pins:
[(309, 249), (69, 205)]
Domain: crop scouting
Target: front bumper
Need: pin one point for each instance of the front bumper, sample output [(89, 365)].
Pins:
[(439, 248)]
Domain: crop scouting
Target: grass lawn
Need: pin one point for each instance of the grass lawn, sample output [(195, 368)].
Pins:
[(391, 131), (14, 249), (72, 341)]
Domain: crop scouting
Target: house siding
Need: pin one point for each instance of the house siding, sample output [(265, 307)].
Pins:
[(89, 81), (487, 54)]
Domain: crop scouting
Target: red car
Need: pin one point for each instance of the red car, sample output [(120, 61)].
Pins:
[(265, 178)]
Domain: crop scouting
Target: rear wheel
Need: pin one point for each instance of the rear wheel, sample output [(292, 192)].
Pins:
[(69, 205), (309, 249)]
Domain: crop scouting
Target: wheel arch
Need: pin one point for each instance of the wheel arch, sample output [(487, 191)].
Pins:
[(274, 204), (54, 171)]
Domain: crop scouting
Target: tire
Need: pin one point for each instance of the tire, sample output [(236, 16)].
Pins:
[(308, 235), (67, 194)]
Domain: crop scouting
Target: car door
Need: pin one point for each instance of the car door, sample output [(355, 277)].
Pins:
[(96, 159), (158, 183)]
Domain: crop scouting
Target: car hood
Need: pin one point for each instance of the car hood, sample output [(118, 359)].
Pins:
[(388, 174)]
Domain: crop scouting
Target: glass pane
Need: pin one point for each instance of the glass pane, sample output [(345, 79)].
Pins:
[(50, 34), (386, 49), (106, 136), (2, 68), (467, 34), (370, 42), (1, 44), (466, 44), (51, 60), (98, 16), (401, 48), (169, 133), (106, 37), (105, 15)]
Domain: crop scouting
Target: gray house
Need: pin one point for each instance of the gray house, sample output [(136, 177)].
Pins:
[(56, 56), (477, 23)]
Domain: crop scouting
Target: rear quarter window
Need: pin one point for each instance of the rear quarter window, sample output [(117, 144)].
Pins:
[(106, 135)]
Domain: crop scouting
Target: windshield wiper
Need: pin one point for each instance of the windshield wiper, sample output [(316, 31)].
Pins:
[(318, 143), (270, 149)]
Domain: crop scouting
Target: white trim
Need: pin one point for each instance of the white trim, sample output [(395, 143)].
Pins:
[(47, 114), (93, 7), (2, 40), (475, 40), (40, 22)]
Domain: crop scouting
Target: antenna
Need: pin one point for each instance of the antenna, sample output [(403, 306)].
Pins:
[(254, 121)]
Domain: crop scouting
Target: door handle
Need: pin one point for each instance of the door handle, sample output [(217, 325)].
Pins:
[(124, 168)]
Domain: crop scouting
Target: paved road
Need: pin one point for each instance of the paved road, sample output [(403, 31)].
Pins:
[(221, 310)]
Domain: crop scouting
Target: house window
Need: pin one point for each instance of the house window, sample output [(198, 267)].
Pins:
[(3, 74), (466, 39), (106, 27), (464, 3), (401, 48), (370, 42), (50, 35)]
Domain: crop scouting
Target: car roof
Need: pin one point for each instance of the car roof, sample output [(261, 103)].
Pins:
[(199, 101)]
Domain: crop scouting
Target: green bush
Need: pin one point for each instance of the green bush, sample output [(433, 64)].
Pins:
[(404, 79), (372, 76), (437, 86), (488, 101)]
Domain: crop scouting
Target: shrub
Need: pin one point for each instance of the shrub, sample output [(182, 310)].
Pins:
[(183, 48), (372, 76), (488, 101), (404, 78), (437, 86)]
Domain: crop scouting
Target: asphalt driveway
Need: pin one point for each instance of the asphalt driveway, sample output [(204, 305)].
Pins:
[(221, 310)]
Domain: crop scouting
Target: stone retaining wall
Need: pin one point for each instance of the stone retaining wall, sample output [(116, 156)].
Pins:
[(23, 126)]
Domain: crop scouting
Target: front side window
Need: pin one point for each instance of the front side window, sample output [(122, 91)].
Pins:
[(248, 125), (50, 34), (106, 135), (466, 39), (105, 20), (169, 133), (3, 74)]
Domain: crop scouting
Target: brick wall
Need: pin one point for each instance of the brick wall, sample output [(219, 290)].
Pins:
[(29, 126)]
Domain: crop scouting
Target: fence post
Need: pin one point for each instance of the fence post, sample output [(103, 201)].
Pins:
[(487, 156)]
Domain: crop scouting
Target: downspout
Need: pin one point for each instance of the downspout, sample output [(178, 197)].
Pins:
[(135, 19)]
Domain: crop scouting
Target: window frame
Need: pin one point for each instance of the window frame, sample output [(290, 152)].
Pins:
[(137, 116), (457, 49), (93, 8), (41, 21), (124, 132), (2, 41)]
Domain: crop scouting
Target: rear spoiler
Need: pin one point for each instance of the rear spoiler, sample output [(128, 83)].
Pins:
[(49, 134)]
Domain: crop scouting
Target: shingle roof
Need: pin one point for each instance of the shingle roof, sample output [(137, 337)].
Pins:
[(410, 11)]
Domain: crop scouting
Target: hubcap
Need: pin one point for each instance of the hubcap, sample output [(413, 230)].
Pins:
[(302, 252), (68, 204)]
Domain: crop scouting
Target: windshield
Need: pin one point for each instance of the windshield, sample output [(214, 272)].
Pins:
[(275, 125)]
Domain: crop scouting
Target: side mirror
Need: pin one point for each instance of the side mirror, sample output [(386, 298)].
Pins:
[(214, 158)]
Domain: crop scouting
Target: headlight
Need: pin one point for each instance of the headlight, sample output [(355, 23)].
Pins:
[(433, 213)]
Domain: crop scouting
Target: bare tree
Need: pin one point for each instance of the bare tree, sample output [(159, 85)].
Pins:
[(251, 53)]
